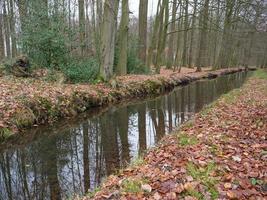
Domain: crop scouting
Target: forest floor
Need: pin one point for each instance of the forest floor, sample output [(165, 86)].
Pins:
[(26, 102), (220, 154)]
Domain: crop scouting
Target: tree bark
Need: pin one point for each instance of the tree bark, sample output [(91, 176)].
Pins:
[(123, 39), (7, 29), (191, 55), (172, 36), (2, 52), (184, 57), (82, 26), (143, 6), (108, 38), (12, 29), (202, 55), (164, 19)]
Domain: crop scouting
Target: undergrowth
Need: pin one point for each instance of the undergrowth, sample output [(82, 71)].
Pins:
[(260, 73), (203, 175)]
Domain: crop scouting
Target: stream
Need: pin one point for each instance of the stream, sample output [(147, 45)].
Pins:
[(72, 157)]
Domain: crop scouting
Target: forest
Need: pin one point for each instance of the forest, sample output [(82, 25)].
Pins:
[(90, 40), (133, 99)]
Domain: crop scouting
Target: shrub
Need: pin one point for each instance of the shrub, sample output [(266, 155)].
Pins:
[(81, 71), (45, 37)]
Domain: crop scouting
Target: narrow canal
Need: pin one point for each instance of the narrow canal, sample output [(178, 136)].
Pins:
[(73, 157)]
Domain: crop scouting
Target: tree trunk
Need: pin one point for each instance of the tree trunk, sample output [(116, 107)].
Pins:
[(153, 42), (6, 29), (22, 14), (82, 26), (172, 35), (2, 52), (202, 55), (190, 62), (108, 38), (143, 29), (223, 59), (123, 39), (184, 58), (12, 29), (163, 28)]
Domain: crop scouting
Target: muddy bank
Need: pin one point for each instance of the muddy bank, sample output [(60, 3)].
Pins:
[(28, 102), (220, 154)]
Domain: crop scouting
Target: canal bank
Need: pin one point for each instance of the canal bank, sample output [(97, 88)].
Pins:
[(220, 153), (29, 102), (74, 156)]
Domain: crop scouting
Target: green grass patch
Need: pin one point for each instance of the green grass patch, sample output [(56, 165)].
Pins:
[(204, 176), (194, 193), (186, 140), (207, 109), (92, 193), (131, 186), (232, 96), (5, 133), (260, 73), (188, 124), (137, 162)]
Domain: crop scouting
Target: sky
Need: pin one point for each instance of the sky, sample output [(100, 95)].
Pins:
[(134, 7)]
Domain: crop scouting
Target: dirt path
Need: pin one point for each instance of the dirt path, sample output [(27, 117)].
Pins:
[(25, 102), (220, 154)]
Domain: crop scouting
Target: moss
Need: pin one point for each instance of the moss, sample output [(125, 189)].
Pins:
[(23, 117), (260, 73), (188, 124), (232, 96), (194, 193), (186, 140), (207, 109), (91, 194), (137, 162), (131, 186), (153, 86), (5, 133), (43, 108), (203, 175)]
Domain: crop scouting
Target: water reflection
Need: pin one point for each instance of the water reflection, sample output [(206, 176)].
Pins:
[(65, 161)]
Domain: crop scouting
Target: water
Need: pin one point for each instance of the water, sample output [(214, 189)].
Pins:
[(73, 157)]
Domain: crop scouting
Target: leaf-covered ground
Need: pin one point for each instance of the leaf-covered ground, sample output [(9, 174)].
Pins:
[(25, 102), (220, 154)]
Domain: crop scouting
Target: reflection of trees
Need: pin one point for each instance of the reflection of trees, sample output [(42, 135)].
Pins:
[(109, 142), (157, 117), (122, 119), (22, 172), (142, 127), (86, 170), (169, 105), (5, 167), (48, 156)]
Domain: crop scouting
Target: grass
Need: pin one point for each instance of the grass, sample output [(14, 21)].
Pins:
[(137, 161), (188, 124), (5, 133), (131, 186), (207, 109), (91, 194), (260, 73), (195, 194), (204, 176), (186, 140)]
